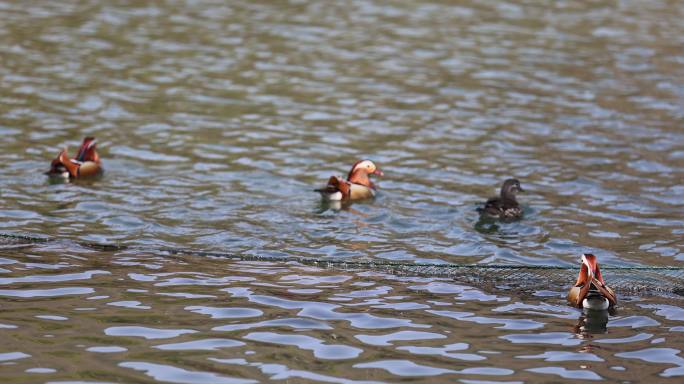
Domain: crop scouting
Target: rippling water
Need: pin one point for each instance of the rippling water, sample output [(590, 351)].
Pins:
[(75, 314), (216, 120)]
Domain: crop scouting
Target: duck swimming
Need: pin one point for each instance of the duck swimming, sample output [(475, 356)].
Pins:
[(357, 186), (86, 163), (506, 205), (590, 291)]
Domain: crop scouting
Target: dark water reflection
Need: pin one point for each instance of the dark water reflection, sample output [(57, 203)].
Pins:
[(216, 121)]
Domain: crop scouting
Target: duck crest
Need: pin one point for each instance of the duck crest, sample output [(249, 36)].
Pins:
[(359, 173), (353, 169)]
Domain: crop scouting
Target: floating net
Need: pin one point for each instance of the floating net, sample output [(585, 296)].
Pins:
[(641, 280)]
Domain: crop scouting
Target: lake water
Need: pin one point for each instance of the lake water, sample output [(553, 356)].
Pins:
[(216, 120)]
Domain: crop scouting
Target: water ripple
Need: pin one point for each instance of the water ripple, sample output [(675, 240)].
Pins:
[(381, 340), (171, 374), (320, 350), (203, 345), (146, 332), (51, 292), (220, 119)]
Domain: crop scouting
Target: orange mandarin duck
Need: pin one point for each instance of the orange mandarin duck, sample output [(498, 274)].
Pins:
[(85, 164), (590, 291), (357, 186)]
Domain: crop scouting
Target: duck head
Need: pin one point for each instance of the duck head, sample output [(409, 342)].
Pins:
[(361, 170), (57, 169), (590, 288), (510, 187)]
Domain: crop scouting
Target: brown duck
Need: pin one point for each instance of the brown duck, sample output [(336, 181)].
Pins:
[(357, 186), (505, 206), (86, 163), (590, 291)]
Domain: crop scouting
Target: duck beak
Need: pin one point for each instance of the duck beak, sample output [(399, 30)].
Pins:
[(520, 189), (378, 172)]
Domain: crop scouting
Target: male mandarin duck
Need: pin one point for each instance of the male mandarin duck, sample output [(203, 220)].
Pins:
[(86, 163), (506, 205), (358, 185), (590, 291)]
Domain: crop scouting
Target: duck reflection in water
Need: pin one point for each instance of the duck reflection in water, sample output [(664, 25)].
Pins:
[(593, 321), (324, 206), (591, 293)]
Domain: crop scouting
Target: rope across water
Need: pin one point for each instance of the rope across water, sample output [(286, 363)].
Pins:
[(635, 280)]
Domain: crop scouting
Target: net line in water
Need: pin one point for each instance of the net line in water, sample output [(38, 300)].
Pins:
[(639, 280)]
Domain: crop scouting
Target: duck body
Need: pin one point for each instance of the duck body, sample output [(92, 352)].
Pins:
[(85, 164), (507, 209), (357, 186), (505, 206), (590, 290)]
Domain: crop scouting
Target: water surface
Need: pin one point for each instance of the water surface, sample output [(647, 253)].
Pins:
[(216, 120)]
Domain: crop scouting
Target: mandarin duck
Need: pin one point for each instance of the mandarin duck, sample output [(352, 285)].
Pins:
[(590, 291), (86, 163), (357, 186)]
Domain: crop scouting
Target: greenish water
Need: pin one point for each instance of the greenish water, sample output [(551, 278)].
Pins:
[(215, 122)]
